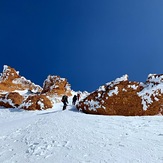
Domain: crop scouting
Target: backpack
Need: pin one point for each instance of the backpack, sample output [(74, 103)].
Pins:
[(63, 98)]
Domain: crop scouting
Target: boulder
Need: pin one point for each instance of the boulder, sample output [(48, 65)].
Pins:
[(11, 100), (55, 85), (124, 97), (118, 97), (152, 95), (36, 102)]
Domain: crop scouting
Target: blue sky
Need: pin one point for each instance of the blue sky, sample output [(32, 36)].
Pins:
[(89, 42)]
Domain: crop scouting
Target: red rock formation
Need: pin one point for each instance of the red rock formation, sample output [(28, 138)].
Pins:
[(115, 98), (10, 80), (152, 95), (123, 97), (55, 85), (37, 102), (11, 100)]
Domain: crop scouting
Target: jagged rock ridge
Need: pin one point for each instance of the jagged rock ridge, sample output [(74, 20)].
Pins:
[(10, 80), (55, 85), (17, 91), (124, 97)]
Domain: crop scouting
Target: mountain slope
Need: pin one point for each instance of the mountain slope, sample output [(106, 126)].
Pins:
[(71, 136)]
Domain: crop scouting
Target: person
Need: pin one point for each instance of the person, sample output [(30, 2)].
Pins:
[(78, 96), (65, 101), (74, 99)]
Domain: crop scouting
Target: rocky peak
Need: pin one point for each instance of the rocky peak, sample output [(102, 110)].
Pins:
[(10, 80), (8, 74), (56, 85)]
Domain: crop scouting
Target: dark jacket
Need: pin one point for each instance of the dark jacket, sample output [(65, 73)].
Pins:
[(65, 99)]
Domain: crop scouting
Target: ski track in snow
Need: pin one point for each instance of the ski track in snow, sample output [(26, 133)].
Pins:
[(73, 137)]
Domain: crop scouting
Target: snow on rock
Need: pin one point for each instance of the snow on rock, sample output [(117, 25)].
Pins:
[(155, 78), (152, 95), (118, 97), (55, 85), (123, 97), (112, 92), (10, 80), (36, 102), (11, 100), (8, 74)]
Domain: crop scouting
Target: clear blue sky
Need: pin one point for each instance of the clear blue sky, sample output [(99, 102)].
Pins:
[(89, 42)]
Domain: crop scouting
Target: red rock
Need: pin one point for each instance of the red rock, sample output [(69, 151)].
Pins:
[(115, 98), (55, 85), (37, 102), (11, 100), (152, 95), (10, 80)]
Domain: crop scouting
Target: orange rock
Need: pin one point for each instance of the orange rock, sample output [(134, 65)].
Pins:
[(11, 100), (123, 97), (55, 85), (10, 80), (152, 95), (37, 102), (115, 98)]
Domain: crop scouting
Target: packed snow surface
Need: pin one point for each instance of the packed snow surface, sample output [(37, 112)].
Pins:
[(74, 137)]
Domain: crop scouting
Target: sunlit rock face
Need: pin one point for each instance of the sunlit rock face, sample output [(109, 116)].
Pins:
[(152, 95), (36, 102), (124, 97), (10, 80), (11, 100), (55, 85), (118, 97)]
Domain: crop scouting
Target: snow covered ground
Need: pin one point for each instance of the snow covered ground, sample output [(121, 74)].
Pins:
[(56, 136)]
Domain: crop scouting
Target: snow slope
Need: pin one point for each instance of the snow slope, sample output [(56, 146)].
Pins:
[(56, 136)]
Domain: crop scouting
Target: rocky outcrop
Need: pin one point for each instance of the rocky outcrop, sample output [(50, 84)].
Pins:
[(11, 100), (10, 80), (55, 85), (36, 102), (152, 95), (123, 97)]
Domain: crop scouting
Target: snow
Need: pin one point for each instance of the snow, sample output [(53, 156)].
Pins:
[(23, 80), (113, 83), (124, 90), (93, 105), (114, 91), (101, 88), (9, 101), (123, 78), (26, 104), (154, 78), (133, 87), (74, 137), (41, 104), (22, 92), (149, 91)]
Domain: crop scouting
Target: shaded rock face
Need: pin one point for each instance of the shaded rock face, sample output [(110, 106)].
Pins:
[(55, 85), (123, 97), (37, 102), (11, 100), (10, 80)]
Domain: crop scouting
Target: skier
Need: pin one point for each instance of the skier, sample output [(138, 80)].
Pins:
[(65, 101), (74, 100), (78, 96)]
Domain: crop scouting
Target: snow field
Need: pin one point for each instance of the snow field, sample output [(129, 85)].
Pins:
[(73, 137)]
